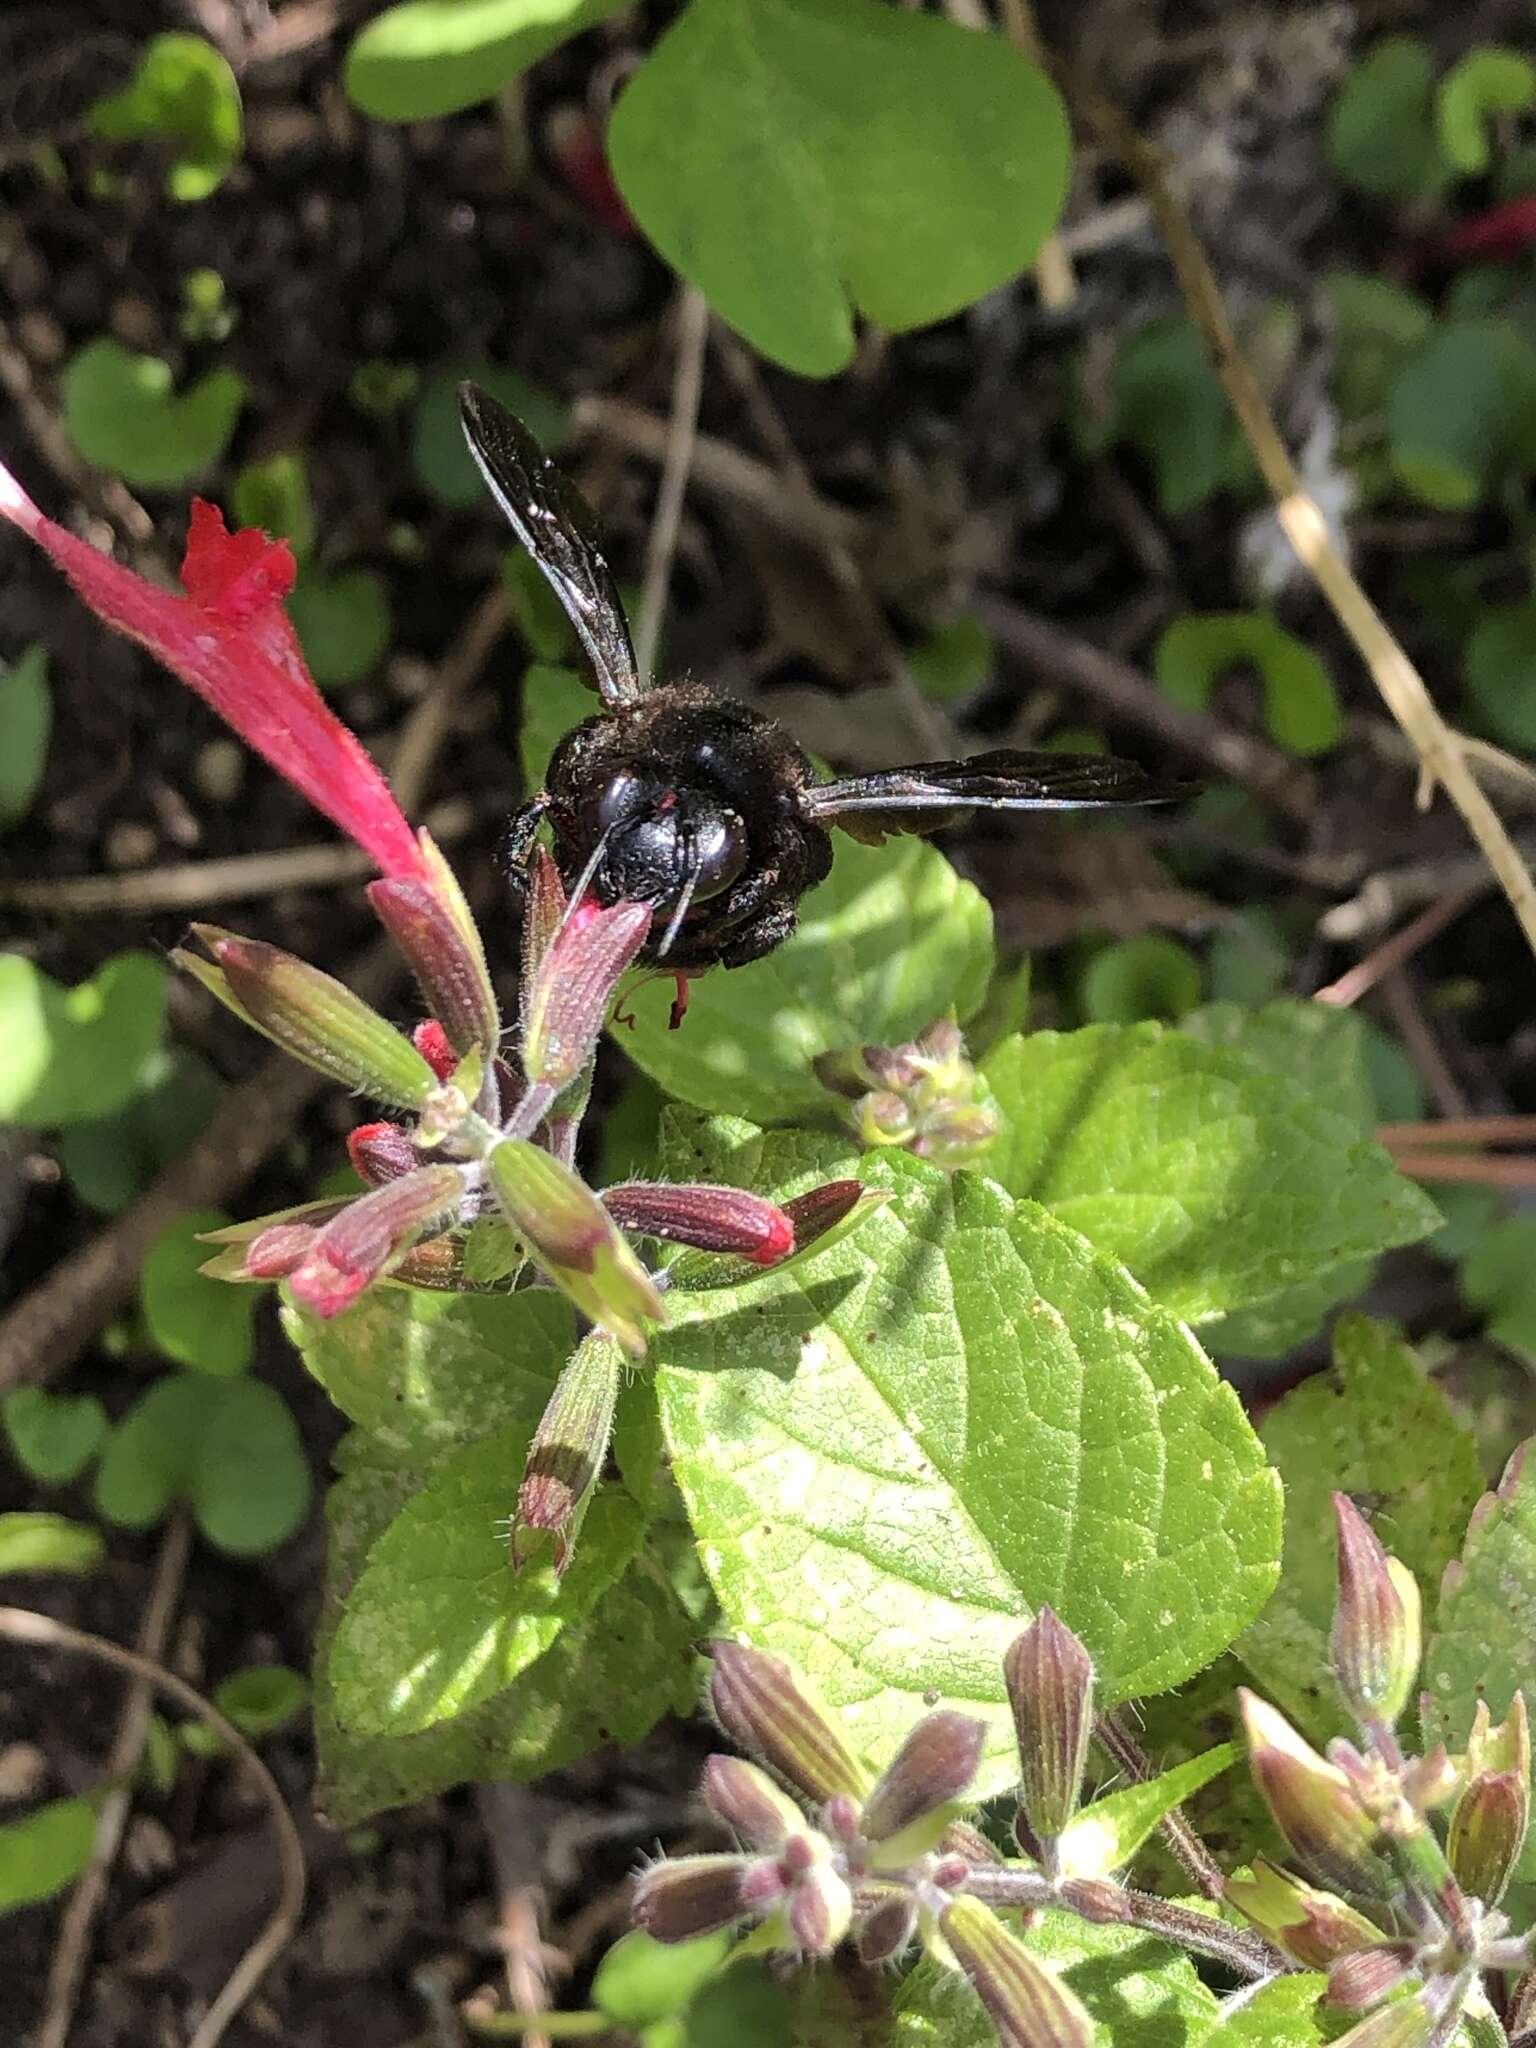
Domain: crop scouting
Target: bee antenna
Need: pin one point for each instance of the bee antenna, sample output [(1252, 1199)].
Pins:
[(584, 879), (681, 911)]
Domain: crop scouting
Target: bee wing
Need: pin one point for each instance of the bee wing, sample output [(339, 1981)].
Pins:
[(1003, 780), (559, 529)]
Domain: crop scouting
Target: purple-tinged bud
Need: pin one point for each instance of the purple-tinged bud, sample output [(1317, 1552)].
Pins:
[(841, 1817), (887, 1929), (436, 1263), (821, 1209), (370, 1235), (1487, 1833), (763, 1705), (970, 1844), (447, 961), (1026, 2003), (1313, 1927), (909, 1805), (237, 1240), (1406, 2023), (1429, 1781), (763, 1886), (1098, 1899), (381, 1152), (1049, 1677), (952, 1138), (572, 1238), (1358, 1981), (566, 1456), (1376, 1626), (689, 1896), (750, 1803), (1521, 2016), (1500, 1745), (884, 1119), (543, 908), (943, 1043), (1312, 1801), (311, 1015), (819, 1910), (712, 1219), (898, 1068), (274, 1254), (566, 1006)]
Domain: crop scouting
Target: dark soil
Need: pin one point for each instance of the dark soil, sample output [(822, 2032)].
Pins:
[(341, 241)]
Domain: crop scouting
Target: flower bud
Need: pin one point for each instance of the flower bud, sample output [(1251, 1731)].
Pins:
[(820, 1210), (1026, 2003), (449, 964), (884, 1119), (1500, 1745), (750, 1803), (819, 1910), (431, 1041), (369, 1235), (1376, 1634), (543, 908), (436, 1263), (381, 1152), (572, 1238), (566, 1005), (762, 1705), (1049, 1676), (1487, 1832), (1358, 1981), (566, 1456), (908, 1807), (1313, 1927), (887, 1928), (312, 1016), (714, 1219), (1312, 1801), (952, 1138), (275, 1253), (680, 1899)]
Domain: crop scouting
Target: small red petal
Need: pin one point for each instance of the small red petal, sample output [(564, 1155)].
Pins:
[(431, 1041), (381, 1152), (1491, 237), (778, 1244), (233, 575)]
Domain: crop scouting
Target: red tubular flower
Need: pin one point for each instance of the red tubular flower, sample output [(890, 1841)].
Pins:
[(231, 641)]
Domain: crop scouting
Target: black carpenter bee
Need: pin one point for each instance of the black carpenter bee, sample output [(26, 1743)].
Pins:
[(691, 802)]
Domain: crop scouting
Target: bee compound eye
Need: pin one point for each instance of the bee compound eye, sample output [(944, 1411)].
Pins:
[(616, 802), (719, 852)]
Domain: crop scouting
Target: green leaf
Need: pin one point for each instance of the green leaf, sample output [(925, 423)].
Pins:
[(1498, 1276), (54, 1435), (36, 1542), (1218, 1183), (261, 1699), (1284, 2013), (1148, 976), (427, 1373), (70, 1054), (607, 1679), (1378, 325), (802, 159), (1169, 404), (44, 1851), (439, 1621), (439, 456), (1375, 1428), (113, 1158), (1483, 1643), (274, 495), (26, 721), (958, 1412), (124, 415), (344, 621), (1105, 1836), (201, 1323), (885, 945), (554, 700), (1250, 958), (184, 94), (953, 660), (228, 1447), (745, 2005), (1498, 669), (1461, 411), (1483, 84), (432, 57), (1301, 706), (1381, 137), (641, 1980), (1274, 1328)]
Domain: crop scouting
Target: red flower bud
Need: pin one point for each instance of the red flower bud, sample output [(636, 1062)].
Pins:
[(278, 1250), (1049, 1676), (714, 1219), (566, 1003), (446, 957), (381, 1152), (887, 1929), (1375, 1622), (363, 1242), (431, 1041), (749, 1803), (566, 1456)]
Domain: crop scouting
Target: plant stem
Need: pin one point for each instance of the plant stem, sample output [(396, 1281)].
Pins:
[(558, 2026), (1245, 1954), (1186, 1846)]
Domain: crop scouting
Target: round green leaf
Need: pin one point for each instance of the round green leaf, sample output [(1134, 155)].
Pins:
[(800, 160), (274, 495), (1498, 666), (26, 721), (641, 1980), (1484, 84), (1301, 706), (1149, 976), (431, 57), (1498, 1276), (148, 1457), (44, 1851), (262, 1698), (439, 456), (890, 941), (554, 699), (249, 1484), (1381, 137), (70, 1054), (1462, 409), (113, 1158), (54, 1435), (953, 660), (1169, 404), (184, 94), (202, 1323), (36, 1542), (344, 622), (123, 415), (1377, 325)]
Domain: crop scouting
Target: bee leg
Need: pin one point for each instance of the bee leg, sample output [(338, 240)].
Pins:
[(769, 929), (517, 847)]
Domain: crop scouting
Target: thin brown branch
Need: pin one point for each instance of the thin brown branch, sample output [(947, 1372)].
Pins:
[(1484, 1169), (1396, 951), (1184, 1844), (1055, 279), (1459, 1130), (677, 462), (424, 733), (1440, 749), (71, 1951), (41, 1631)]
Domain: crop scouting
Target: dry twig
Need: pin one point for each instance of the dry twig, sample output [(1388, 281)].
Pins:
[(677, 461)]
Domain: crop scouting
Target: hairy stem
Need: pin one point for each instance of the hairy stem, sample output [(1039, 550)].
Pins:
[(1245, 1954)]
